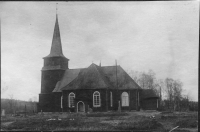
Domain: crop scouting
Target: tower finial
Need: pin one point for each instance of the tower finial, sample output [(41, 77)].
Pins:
[(56, 7)]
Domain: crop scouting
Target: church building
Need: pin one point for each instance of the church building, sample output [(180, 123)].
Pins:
[(95, 88)]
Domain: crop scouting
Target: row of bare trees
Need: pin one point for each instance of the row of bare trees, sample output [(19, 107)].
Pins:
[(174, 93), (12, 106), (147, 80), (169, 90)]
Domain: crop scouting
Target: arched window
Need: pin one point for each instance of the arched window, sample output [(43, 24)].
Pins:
[(125, 99), (71, 99), (96, 99), (111, 99)]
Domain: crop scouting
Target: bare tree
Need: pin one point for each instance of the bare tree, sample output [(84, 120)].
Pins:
[(159, 87), (148, 81), (184, 104), (135, 75), (35, 103), (32, 105), (174, 93), (169, 87), (145, 80), (140, 78), (151, 79), (177, 94), (11, 103), (169, 91)]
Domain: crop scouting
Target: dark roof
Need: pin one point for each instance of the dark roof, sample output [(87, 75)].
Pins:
[(96, 77), (148, 93), (88, 78), (69, 75), (56, 47), (123, 80)]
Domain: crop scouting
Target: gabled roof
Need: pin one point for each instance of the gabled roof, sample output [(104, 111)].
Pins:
[(148, 93), (96, 77)]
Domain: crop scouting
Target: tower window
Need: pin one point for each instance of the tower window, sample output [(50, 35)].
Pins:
[(71, 99), (96, 99)]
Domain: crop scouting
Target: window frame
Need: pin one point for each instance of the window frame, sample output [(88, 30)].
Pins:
[(69, 100), (99, 97), (125, 99), (111, 99), (61, 101)]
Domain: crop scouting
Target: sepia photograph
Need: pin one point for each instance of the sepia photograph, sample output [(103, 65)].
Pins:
[(99, 66)]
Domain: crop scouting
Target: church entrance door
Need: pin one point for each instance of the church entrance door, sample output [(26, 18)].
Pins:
[(80, 107)]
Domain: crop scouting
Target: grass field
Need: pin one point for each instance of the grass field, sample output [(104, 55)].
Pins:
[(161, 121)]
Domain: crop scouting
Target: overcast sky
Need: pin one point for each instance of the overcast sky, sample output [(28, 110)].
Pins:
[(162, 36)]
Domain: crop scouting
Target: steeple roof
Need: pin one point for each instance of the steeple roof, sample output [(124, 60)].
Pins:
[(56, 47)]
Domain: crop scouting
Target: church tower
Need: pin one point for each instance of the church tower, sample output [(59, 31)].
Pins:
[(55, 63)]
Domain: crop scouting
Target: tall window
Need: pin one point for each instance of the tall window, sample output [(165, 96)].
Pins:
[(71, 99), (125, 99), (61, 103), (138, 99), (111, 99), (96, 99)]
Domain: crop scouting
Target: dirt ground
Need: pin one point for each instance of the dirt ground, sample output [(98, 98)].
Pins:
[(143, 120)]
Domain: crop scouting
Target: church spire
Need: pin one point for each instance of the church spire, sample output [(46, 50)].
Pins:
[(56, 47)]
